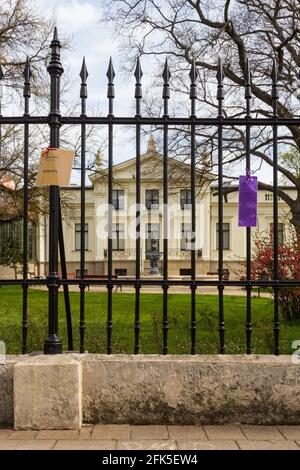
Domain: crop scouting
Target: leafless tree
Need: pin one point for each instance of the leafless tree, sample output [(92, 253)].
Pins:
[(26, 33), (234, 30)]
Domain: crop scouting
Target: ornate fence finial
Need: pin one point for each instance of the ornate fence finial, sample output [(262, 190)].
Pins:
[(110, 76), (166, 76), (193, 87), (27, 75), (220, 72), (83, 88), (193, 73), (248, 92), (1, 93), (55, 66), (138, 73), (110, 86), (275, 96), (247, 77), (166, 87), (220, 92)]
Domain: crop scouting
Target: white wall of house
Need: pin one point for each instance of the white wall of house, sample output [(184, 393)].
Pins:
[(151, 173)]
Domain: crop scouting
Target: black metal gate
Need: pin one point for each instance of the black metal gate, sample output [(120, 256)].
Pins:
[(53, 343)]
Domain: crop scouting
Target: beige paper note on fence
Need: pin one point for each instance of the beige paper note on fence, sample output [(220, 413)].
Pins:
[(55, 167)]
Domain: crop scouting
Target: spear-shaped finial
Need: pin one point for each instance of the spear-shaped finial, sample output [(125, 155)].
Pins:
[(220, 72), (110, 86), (55, 66), (27, 75), (193, 72), (83, 88), (274, 73), (166, 72), (110, 76), (83, 72), (220, 90), (275, 96), (193, 88), (27, 72), (1, 90), (110, 72), (247, 74), (138, 73), (248, 93), (166, 88)]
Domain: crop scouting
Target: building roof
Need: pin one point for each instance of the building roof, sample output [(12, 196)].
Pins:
[(153, 157)]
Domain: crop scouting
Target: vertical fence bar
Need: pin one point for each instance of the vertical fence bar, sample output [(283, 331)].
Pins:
[(1, 96), (248, 96), (53, 343), (193, 96), (275, 97), (166, 95), (110, 95), (64, 274), (220, 97), (26, 94), (138, 96), (83, 97)]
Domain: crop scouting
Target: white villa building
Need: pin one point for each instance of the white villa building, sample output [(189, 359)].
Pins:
[(124, 194)]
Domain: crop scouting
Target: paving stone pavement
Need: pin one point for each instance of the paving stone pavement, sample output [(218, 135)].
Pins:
[(153, 437)]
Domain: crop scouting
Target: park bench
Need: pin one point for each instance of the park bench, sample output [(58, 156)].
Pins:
[(101, 276), (226, 274), (92, 276)]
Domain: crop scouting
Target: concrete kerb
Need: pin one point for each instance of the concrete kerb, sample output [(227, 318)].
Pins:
[(62, 391)]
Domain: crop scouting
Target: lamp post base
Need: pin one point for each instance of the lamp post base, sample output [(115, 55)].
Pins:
[(53, 345)]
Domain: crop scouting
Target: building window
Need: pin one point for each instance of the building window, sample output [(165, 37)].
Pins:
[(11, 240), (152, 199), (118, 240), (185, 199), (187, 239), (152, 233), (280, 233), (77, 236), (226, 236), (118, 199)]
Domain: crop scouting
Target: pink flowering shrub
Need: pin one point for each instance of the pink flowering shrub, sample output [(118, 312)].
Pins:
[(288, 268)]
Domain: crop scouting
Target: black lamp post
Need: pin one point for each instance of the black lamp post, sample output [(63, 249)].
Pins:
[(53, 343)]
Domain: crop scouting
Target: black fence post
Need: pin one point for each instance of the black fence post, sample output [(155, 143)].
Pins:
[(53, 343)]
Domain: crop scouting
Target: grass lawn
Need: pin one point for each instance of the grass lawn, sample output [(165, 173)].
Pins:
[(151, 321)]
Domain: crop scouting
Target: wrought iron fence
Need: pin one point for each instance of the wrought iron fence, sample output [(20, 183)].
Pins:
[(55, 120)]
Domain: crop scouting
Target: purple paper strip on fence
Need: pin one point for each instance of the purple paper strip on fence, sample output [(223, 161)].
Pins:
[(247, 201)]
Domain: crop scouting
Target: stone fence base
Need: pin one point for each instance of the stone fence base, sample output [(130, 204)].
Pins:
[(62, 391)]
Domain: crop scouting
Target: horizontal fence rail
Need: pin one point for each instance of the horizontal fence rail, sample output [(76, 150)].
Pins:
[(54, 282)]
